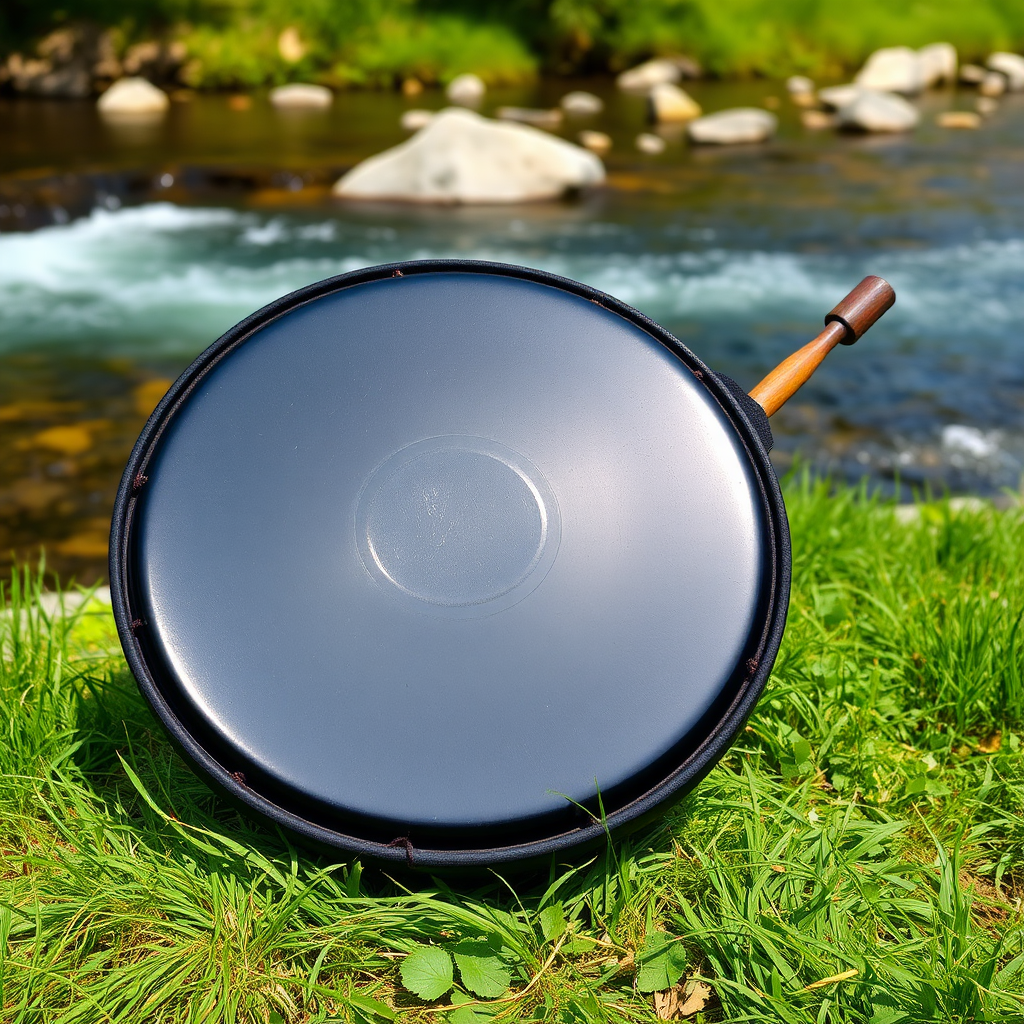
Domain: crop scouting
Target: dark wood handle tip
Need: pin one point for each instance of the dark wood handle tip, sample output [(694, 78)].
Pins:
[(862, 307)]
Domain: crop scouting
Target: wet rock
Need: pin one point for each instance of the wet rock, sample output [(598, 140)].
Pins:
[(938, 63), (466, 90), (892, 69), (650, 144), (414, 120), (837, 96), (1012, 66), (958, 119), (290, 45), (596, 142), (972, 74), (300, 96), (528, 115), (878, 112), (731, 127), (993, 84), (818, 120), (133, 96), (461, 157), (668, 104), (581, 104), (646, 76)]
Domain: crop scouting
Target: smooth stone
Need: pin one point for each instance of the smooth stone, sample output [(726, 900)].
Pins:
[(301, 96), (669, 104), (837, 96), (596, 142), (817, 120), (958, 119), (730, 127), (1011, 65), (879, 112), (461, 157), (581, 104), (797, 85), (466, 90), (892, 69), (972, 74), (993, 84), (133, 96), (938, 63), (528, 115), (646, 76), (650, 144), (414, 120), (986, 106)]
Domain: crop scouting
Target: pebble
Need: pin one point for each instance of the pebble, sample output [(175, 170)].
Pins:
[(731, 127), (993, 84), (596, 142), (581, 104), (466, 90), (958, 119), (652, 145), (817, 120)]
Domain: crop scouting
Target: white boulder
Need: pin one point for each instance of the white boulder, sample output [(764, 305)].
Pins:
[(466, 90), (1011, 65), (413, 120), (670, 104), (646, 76), (729, 127), (581, 104), (461, 157), (938, 63), (301, 96), (132, 96), (892, 69), (837, 96), (878, 112)]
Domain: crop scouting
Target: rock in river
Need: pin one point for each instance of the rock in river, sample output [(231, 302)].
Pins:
[(414, 120), (878, 112), (669, 104), (937, 63), (645, 77), (729, 127), (1012, 66), (466, 90), (299, 96), (581, 104), (461, 157), (892, 69), (129, 96)]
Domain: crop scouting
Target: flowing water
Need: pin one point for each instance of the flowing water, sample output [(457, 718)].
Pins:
[(150, 242)]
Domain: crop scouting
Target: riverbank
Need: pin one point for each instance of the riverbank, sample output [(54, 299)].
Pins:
[(254, 43), (857, 853)]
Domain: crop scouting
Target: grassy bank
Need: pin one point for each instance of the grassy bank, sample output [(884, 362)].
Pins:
[(235, 43), (856, 857)]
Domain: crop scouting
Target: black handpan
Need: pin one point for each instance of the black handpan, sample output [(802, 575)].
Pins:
[(456, 563)]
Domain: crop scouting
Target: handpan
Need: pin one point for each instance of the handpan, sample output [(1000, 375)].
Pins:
[(456, 563)]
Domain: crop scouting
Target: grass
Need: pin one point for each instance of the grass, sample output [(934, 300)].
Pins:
[(858, 856)]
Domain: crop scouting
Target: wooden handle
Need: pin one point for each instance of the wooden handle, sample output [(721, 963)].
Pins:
[(845, 324)]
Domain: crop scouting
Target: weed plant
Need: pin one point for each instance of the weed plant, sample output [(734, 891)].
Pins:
[(857, 856)]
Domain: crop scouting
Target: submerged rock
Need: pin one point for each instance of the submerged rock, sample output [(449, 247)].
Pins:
[(461, 157), (466, 90), (646, 76), (528, 115), (878, 112), (133, 96), (1012, 66), (892, 69), (581, 104), (958, 119), (300, 96), (730, 127), (670, 104)]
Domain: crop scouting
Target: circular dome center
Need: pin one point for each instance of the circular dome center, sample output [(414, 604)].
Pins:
[(454, 521)]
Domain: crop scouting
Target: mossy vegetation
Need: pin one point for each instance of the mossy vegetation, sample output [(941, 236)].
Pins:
[(858, 855), (234, 43)]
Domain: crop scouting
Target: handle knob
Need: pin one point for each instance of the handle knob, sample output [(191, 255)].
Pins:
[(862, 307)]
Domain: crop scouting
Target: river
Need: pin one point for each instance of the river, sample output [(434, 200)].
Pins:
[(123, 253)]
